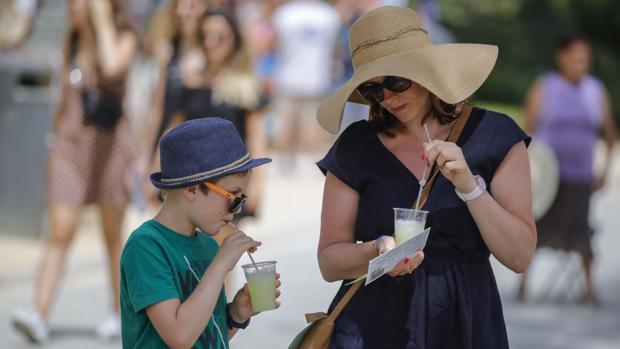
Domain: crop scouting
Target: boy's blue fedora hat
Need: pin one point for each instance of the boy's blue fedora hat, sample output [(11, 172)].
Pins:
[(201, 150)]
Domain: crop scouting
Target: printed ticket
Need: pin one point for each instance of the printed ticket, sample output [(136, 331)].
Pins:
[(387, 261)]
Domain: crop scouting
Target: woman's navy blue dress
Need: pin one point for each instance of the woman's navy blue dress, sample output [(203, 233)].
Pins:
[(451, 300)]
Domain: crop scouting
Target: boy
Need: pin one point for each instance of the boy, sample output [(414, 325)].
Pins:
[(172, 271)]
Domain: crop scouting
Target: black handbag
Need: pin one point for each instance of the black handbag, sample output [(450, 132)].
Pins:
[(100, 109)]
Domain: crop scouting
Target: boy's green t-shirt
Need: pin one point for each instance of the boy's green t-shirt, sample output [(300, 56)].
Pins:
[(154, 268)]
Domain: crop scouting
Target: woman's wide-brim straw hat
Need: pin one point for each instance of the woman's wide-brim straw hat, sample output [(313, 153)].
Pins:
[(391, 41)]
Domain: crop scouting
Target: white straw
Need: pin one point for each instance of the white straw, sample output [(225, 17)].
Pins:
[(428, 135), (422, 182), (248, 252), (252, 259)]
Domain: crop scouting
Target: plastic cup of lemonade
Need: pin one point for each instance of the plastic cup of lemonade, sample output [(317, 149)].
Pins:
[(408, 223), (262, 281)]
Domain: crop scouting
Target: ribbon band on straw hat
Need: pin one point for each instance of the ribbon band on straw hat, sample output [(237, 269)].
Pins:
[(391, 41)]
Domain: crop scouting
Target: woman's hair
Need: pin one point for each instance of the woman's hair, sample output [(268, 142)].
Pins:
[(236, 84), (122, 21), (568, 40), (239, 60), (381, 120)]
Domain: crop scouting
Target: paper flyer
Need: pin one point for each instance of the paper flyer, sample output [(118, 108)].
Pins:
[(384, 263)]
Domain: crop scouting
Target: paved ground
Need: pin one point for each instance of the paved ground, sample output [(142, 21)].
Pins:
[(290, 235)]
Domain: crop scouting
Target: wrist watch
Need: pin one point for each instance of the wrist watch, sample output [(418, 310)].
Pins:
[(481, 186), (231, 323)]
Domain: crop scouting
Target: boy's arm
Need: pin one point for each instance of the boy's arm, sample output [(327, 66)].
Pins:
[(180, 324)]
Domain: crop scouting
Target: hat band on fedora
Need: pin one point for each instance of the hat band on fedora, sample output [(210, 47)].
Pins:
[(211, 173), (392, 36)]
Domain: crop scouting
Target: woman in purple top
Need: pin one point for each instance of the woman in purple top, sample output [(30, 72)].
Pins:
[(568, 109)]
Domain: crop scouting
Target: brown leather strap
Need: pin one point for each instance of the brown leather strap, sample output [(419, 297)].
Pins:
[(344, 300), (455, 132), (453, 136)]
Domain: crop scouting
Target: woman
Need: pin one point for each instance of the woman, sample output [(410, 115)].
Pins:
[(226, 88), (173, 39), (569, 110), (176, 47), (88, 160), (445, 297)]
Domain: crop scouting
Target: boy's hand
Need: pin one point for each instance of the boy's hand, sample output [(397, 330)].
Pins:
[(233, 247), (241, 307)]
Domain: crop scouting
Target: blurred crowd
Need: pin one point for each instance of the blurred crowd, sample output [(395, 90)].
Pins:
[(133, 70)]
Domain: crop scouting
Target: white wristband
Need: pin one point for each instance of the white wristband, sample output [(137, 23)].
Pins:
[(481, 186)]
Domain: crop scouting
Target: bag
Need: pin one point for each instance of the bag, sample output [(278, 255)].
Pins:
[(319, 331), (100, 109)]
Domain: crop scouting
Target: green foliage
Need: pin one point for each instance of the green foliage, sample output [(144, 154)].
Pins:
[(526, 32)]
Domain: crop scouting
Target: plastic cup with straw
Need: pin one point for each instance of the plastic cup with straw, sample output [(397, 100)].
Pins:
[(261, 278), (410, 222)]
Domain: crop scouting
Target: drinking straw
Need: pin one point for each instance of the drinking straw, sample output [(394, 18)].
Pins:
[(423, 179), (248, 252)]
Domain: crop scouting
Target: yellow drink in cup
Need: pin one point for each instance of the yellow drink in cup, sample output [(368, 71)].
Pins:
[(408, 223), (262, 283)]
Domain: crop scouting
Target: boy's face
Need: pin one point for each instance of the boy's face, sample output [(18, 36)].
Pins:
[(209, 213)]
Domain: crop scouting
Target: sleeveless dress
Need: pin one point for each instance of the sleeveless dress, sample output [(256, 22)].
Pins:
[(451, 300), (569, 122), (89, 164)]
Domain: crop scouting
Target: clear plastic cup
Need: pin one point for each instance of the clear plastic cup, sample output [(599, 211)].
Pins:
[(262, 284), (408, 223)]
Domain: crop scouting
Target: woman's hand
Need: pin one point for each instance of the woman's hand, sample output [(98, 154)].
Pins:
[(451, 162), (407, 265), (241, 306)]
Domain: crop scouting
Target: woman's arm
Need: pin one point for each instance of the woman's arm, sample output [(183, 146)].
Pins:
[(115, 49), (340, 257), (532, 107), (505, 219), (62, 104), (256, 145), (609, 137)]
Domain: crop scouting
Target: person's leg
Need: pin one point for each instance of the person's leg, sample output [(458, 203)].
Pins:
[(589, 297), (111, 224), (286, 141), (313, 138), (63, 221)]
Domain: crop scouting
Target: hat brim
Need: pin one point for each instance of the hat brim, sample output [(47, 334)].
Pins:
[(452, 72), (157, 182)]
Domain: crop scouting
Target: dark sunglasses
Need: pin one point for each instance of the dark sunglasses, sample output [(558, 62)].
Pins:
[(236, 202), (373, 91)]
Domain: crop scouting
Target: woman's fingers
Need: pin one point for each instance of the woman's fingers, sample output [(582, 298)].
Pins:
[(407, 265), (417, 260)]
